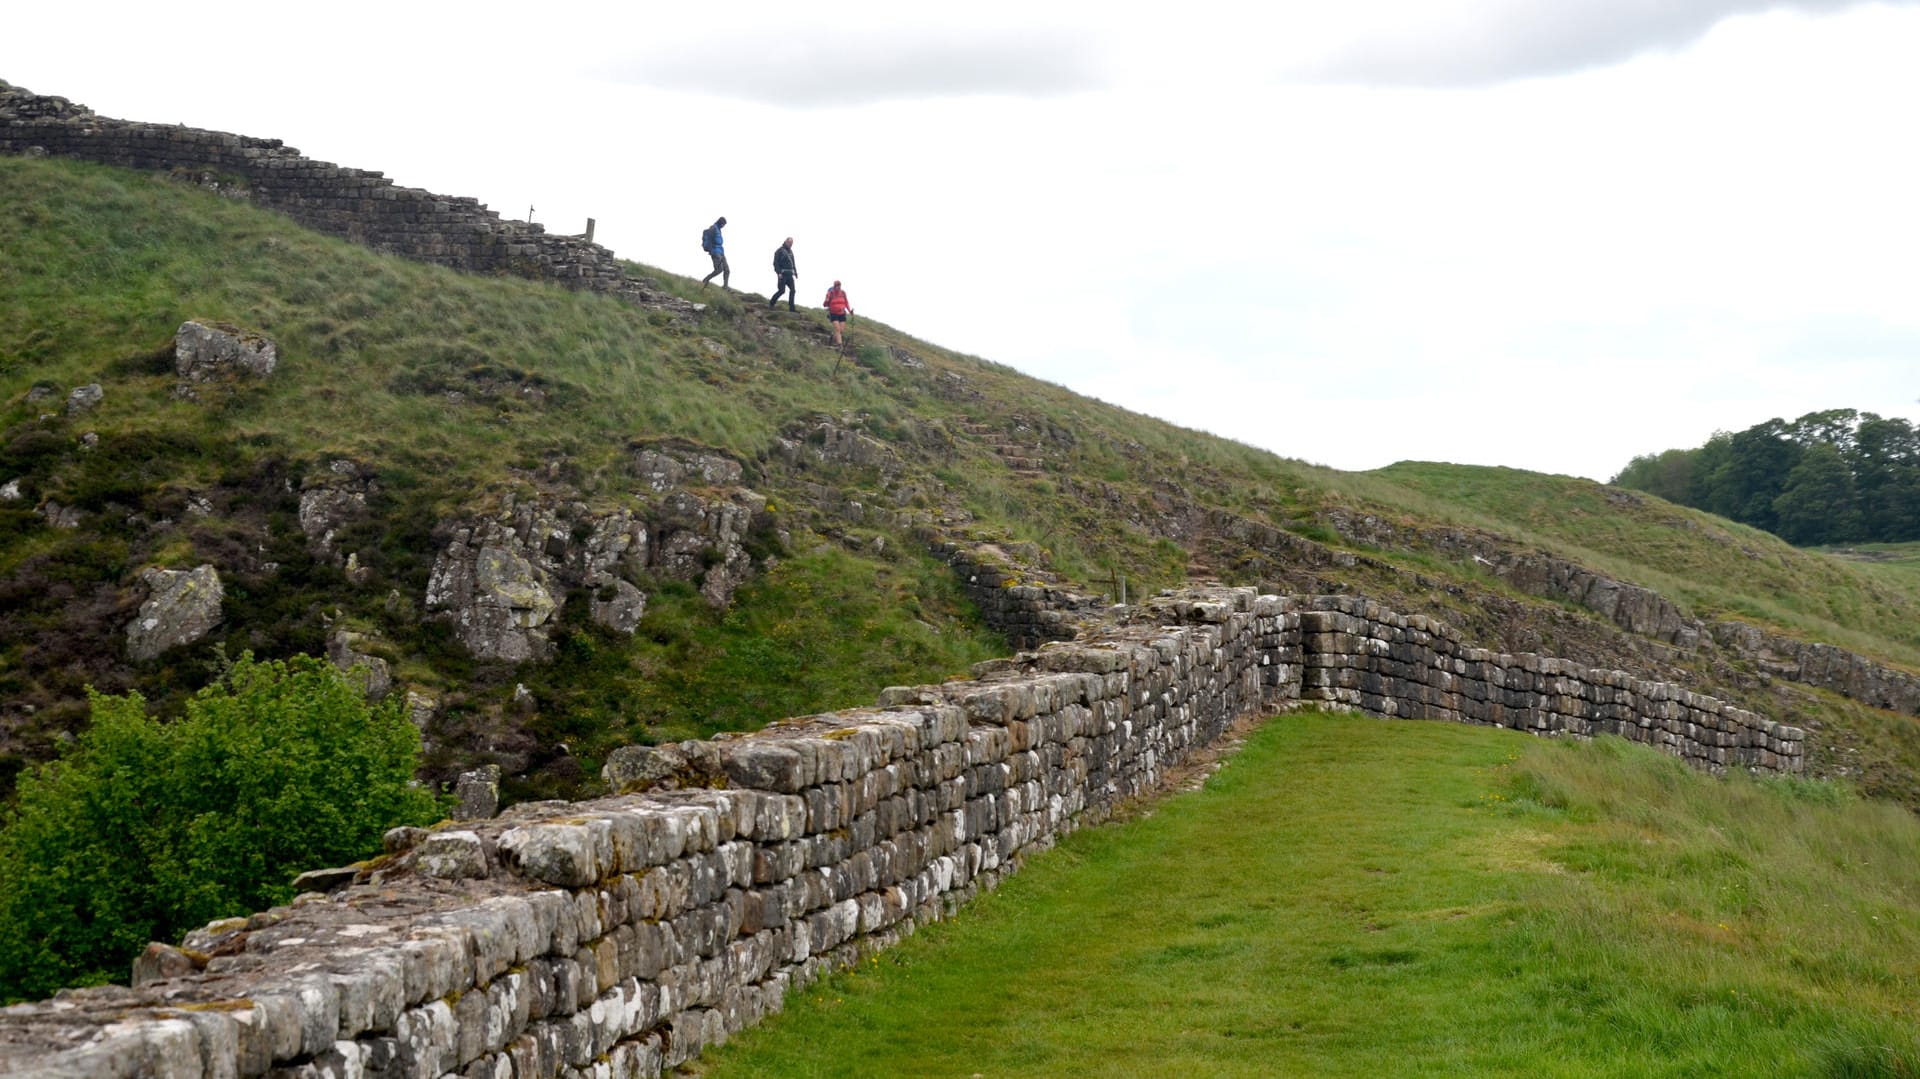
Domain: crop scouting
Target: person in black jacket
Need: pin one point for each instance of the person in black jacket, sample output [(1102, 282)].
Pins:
[(783, 265)]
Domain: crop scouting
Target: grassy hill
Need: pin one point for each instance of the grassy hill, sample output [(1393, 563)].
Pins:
[(1355, 897), (457, 393)]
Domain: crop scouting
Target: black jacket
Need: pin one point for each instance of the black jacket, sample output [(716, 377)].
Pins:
[(783, 260)]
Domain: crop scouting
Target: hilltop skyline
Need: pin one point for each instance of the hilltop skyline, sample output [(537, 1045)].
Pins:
[(1468, 232)]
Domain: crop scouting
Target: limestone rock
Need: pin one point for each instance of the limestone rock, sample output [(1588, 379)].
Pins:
[(664, 468), (183, 607), (160, 962), (451, 856), (204, 351), (477, 794), (60, 516), (85, 398), (330, 502), (10, 491), (325, 880), (499, 599), (342, 650), (639, 768), (618, 606)]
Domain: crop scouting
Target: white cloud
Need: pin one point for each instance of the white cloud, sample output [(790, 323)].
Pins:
[(1484, 42)]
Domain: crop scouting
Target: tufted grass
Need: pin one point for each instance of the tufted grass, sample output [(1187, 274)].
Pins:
[(1355, 897)]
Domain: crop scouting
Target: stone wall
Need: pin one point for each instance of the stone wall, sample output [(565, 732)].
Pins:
[(1356, 654), (356, 204), (619, 937)]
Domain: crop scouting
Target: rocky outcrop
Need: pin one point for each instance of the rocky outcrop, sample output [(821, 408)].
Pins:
[(85, 398), (343, 651), (332, 501), (503, 580), (182, 607), (500, 600), (668, 468), (206, 351)]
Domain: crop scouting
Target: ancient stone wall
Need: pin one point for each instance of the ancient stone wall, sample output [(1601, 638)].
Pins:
[(1356, 654), (356, 204), (619, 937)]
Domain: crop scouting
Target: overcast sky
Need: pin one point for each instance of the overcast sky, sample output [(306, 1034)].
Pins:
[(1547, 234)]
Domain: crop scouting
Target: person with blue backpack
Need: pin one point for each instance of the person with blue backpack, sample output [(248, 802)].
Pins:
[(712, 244)]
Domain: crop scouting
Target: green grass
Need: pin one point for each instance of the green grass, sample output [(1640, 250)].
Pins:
[(457, 390), (1353, 897), (1713, 567)]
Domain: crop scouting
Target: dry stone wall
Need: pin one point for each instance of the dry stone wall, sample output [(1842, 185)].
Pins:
[(1356, 654), (356, 204), (620, 937)]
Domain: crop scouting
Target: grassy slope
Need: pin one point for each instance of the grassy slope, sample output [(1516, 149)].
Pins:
[(1357, 897), (457, 388), (1713, 566)]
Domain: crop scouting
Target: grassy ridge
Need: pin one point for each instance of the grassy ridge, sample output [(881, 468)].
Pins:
[(456, 391), (1714, 567), (1365, 898)]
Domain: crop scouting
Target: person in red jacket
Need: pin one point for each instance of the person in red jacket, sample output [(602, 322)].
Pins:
[(838, 308)]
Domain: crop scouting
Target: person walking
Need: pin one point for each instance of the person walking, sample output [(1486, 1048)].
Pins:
[(712, 243), (783, 265), (838, 308)]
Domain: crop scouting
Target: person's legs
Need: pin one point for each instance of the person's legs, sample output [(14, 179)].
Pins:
[(726, 272), (719, 264)]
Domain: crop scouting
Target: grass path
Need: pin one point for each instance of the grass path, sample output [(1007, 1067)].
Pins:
[(1358, 897)]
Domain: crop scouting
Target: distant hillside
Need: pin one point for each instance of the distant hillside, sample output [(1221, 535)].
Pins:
[(563, 520)]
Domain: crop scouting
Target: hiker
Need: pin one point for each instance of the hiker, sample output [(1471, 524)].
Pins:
[(838, 308), (711, 243), (783, 265)]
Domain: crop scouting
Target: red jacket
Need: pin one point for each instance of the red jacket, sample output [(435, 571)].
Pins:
[(837, 303)]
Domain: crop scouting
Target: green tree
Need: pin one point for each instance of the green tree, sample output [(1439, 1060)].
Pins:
[(1817, 503), (143, 830), (1668, 474)]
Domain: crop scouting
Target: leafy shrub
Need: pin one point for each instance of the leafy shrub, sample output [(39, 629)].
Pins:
[(144, 829)]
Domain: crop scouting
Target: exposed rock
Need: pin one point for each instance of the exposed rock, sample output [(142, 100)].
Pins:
[(638, 768), (325, 880), (421, 709), (500, 600), (183, 607), (85, 398), (160, 962), (618, 606), (10, 491), (330, 502), (342, 650), (60, 516), (702, 540), (203, 352), (402, 839), (451, 856), (477, 793), (665, 468), (524, 702), (89, 441)]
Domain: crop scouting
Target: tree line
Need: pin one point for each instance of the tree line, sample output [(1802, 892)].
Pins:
[(1839, 476)]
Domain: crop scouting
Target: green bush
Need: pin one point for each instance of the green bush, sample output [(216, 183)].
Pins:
[(143, 830)]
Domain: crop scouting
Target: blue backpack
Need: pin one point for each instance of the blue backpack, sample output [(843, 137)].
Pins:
[(706, 239)]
